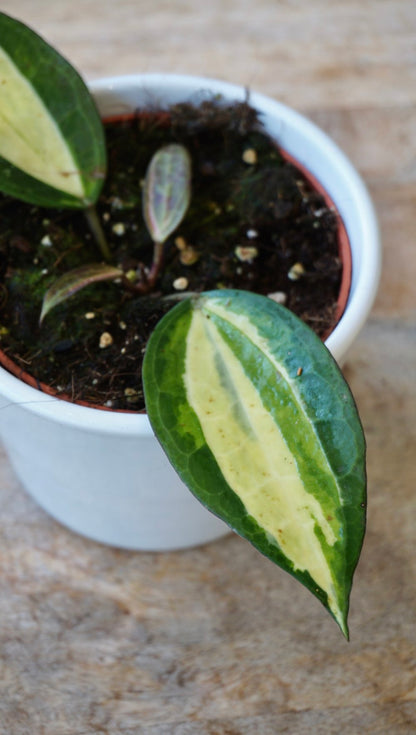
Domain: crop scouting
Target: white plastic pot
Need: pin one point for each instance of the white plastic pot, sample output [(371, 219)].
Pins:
[(103, 474)]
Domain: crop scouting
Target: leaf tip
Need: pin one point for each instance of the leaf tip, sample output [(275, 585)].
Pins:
[(44, 310), (343, 625)]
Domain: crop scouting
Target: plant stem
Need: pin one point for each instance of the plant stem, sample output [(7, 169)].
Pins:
[(157, 263), (97, 231), (148, 280)]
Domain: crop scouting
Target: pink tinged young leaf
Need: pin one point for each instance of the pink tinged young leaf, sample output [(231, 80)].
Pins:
[(167, 190), (74, 281)]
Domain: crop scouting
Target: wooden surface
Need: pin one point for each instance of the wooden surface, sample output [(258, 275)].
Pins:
[(216, 640)]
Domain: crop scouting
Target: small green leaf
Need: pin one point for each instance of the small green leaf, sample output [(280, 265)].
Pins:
[(258, 421), (74, 281), (52, 147), (166, 193)]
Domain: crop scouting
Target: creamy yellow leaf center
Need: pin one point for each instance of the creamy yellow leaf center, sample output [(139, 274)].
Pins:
[(252, 453), (29, 137)]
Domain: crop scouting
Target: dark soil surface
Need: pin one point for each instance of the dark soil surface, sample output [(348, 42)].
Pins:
[(254, 223)]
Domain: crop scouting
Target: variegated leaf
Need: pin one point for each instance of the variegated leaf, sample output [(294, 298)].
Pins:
[(75, 280), (52, 147), (257, 419), (167, 192)]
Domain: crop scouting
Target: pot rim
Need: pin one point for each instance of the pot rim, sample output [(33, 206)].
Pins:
[(308, 137)]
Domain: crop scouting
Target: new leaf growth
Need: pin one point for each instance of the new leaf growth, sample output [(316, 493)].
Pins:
[(166, 197)]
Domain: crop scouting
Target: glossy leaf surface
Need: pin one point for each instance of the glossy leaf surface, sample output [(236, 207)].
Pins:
[(257, 419), (167, 190), (75, 280), (52, 148)]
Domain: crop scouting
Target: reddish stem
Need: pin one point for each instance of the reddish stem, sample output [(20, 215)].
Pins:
[(147, 280)]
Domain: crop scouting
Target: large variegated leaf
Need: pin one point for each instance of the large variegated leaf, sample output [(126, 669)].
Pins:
[(52, 148), (257, 419)]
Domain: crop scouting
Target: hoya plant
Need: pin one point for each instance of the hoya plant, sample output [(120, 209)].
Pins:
[(247, 402)]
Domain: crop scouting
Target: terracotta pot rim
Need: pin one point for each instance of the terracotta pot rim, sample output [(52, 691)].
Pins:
[(344, 247)]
